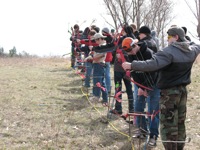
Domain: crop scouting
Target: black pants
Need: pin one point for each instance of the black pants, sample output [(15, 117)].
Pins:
[(118, 77)]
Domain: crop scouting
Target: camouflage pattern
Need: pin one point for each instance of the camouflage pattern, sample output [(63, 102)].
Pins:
[(172, 116)]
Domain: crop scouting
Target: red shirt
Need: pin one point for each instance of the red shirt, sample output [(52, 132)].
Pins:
[(109, 57)]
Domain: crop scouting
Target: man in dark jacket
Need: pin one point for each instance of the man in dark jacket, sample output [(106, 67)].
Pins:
[(174, 64), (140, 51)]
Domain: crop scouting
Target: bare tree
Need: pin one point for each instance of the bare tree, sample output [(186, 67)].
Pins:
[(196, 12), (154, 13), (118, 10)]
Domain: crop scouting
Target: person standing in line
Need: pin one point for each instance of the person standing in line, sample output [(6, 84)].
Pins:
[(135, 31), (76, 34), (109, 57), (112, 33), (152, 99), (139, 51), (114, 37), (120, 74), (155, 38), (186, 36), (87, 49), (98, 60), (174, 64), (145, 35)]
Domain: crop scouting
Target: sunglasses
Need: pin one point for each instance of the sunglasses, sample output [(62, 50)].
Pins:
[(130, 49), (169, 37)]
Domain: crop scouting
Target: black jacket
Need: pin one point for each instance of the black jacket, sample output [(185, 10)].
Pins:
[(145, 78), (150, 43)]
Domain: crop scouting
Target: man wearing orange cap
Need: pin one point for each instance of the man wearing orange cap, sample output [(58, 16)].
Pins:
[(139, 51), (174, 63)]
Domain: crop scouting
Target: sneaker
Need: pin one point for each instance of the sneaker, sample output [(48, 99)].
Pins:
[(152, 142), (124, 116), (105, 104), (139, 134), (116, 112)]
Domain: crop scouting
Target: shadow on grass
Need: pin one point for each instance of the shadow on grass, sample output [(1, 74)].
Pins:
[(60, 70), (74, 73), (107, 137), (75, 104), (70, 91), (70, 104), (90, 123), (73, 83)]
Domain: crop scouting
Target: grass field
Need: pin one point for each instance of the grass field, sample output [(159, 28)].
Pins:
[(42, 107)]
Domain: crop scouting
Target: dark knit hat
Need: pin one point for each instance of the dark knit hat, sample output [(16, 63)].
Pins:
[(106, 30), (112, 30), (145, 30), (97, 29), (76, 26)]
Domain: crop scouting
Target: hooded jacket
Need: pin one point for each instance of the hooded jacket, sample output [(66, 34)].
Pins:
[(173, 62), (145, 78), (150, 43)]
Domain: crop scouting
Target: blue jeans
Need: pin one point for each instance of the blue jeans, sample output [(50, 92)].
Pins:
[(88, 66), (118, 77), (135, 94), (98, 76), (107, 77), (153, 108)]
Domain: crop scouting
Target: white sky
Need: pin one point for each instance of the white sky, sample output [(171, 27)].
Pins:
[(40, 26)]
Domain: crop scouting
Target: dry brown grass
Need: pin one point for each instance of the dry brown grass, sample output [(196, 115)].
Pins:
[(42, 107)]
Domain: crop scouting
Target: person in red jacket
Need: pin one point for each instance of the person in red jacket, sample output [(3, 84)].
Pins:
[(109, 57)]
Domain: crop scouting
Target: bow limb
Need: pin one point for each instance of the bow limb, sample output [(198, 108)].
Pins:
[(81, 75), (128, 71), (118, 51), (98, 84), (117, 96), (140, 85)]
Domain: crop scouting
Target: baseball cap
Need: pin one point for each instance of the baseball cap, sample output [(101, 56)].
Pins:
[(128, 43), (98, 36), (177, 31)]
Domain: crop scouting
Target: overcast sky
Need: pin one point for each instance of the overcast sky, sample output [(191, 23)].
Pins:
[(40, 26)]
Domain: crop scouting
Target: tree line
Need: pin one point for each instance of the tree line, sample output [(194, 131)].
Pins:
[(13, 53)]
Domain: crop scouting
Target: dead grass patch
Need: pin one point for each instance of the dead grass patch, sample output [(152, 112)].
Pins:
[(42, 107)]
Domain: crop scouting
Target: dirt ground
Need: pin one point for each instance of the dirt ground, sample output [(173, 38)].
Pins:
[(42, 106)]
